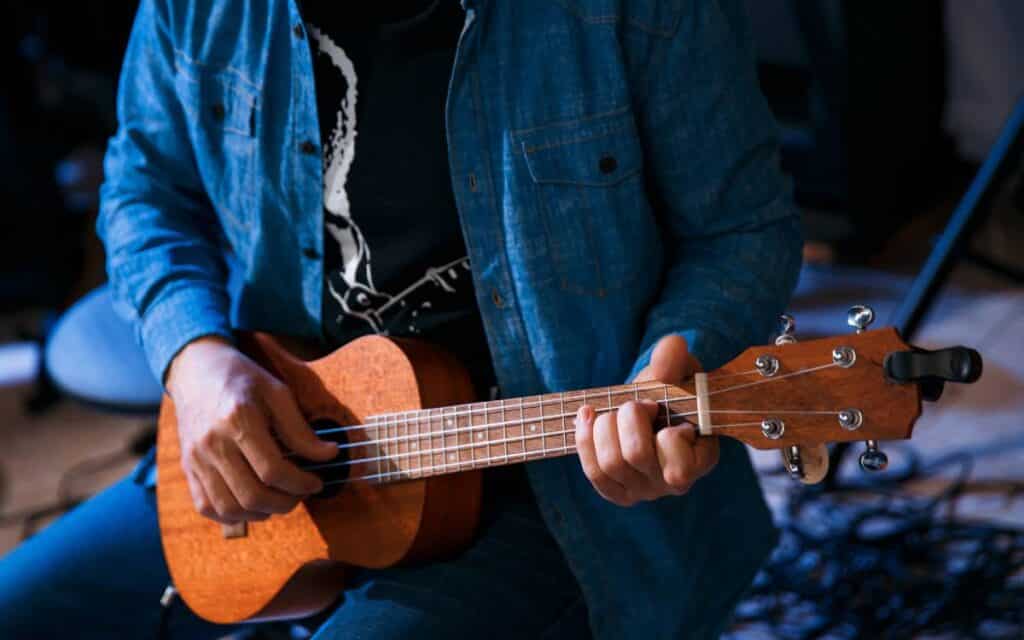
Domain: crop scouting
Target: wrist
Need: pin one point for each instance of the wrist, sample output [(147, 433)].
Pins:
[(195, 351)]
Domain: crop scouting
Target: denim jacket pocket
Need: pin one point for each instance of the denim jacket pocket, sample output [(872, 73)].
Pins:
[(587, 177), (222, 111)]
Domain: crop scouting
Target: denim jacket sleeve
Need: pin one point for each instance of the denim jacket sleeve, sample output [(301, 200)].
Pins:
[(166, 269), (732, 236)]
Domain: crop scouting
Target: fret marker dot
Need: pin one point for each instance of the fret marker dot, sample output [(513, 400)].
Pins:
[(479, 436), (451, 456), (413, 445), (533, 427), (448, 422)]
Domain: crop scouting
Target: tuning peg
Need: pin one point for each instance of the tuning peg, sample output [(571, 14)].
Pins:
[(860, 317), (807, 463), (873, 458), (932, 369), (787, 326)]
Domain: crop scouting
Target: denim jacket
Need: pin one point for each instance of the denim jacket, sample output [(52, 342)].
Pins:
[(615, 172)]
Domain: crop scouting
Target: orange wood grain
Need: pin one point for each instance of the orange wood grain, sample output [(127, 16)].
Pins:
[(272, 570), (293, 564), (890, 409)]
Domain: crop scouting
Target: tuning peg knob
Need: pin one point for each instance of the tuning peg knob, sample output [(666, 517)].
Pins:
[(873, 458), (860, 317), (787, 326)]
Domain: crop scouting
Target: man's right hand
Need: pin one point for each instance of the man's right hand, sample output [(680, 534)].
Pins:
[(227, 408)]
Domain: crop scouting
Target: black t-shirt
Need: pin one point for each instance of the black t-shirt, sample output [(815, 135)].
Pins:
[(394, 257)]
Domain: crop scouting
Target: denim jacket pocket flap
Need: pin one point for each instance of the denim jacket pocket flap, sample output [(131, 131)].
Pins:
[(600, 151)]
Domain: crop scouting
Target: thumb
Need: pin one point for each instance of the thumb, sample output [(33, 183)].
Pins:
[(670, 361), (293, 428)]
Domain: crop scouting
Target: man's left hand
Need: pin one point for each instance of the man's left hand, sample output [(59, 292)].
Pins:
[(625, 459)]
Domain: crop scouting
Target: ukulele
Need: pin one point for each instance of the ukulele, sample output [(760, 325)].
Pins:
[(406, 485)]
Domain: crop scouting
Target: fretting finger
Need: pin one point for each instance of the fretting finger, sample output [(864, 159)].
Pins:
[(608, 488), (636, 440), (609, 456), (677, 458)]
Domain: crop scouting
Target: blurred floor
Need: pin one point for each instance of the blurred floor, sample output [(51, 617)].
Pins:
[(36, 451)]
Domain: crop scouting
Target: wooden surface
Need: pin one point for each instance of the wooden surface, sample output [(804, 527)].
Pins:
[(742, 396), (292, 564), (416, 493)]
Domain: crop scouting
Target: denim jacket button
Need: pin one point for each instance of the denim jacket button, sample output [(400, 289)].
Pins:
[(497, 299), (218, 111), (311, 253), (299, 31), (607, 164), (307, 147)]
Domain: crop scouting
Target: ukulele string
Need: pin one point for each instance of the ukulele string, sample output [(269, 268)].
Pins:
[(450, 450), (469, 428), (504, 424), (456, 466), (456, 413), (577, 395), (522, 422)]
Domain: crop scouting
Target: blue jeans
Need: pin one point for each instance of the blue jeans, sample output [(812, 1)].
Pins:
[(99, 572)]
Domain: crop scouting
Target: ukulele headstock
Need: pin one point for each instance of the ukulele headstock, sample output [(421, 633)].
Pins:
[(799, 396)]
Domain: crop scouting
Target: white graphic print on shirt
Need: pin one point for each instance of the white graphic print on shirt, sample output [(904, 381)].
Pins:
[(354, 290)]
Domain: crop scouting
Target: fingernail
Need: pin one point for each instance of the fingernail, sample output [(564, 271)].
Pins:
[(585, 413)]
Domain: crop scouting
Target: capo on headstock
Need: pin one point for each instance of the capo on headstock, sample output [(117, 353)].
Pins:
[(931, 370)]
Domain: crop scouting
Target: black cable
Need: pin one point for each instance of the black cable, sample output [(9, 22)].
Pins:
[(871, 559)]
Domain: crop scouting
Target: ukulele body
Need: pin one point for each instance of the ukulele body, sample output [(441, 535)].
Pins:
[(292, 565)]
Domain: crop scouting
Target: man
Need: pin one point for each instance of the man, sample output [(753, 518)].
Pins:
[(564, 194)]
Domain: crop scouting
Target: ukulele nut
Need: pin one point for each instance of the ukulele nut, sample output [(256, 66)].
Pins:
[(850, 419), (773, 428), (844, 357), (766, 365)]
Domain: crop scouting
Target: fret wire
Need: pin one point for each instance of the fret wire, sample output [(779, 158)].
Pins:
[(453, 423), (479, 434), (444, 443), (432, 434), (495, 425), (656, 385), (402, 427), (388, 449), (470, 434), (543, 432), (405, 439), (389, 427), (419, 438), (522, 428), (413, 446), (504, 429), (458, 433), (359, 461), (668, 410), (377, 430), (561, 409), (484, 434)]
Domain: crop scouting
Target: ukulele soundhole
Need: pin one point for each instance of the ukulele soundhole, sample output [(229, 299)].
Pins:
[(334, 473)]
